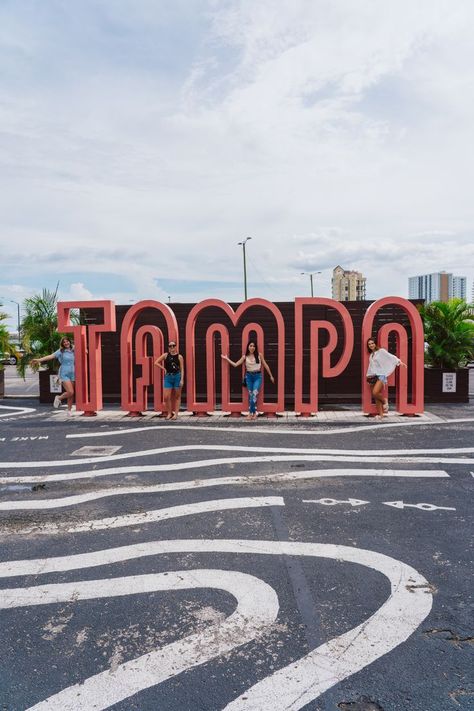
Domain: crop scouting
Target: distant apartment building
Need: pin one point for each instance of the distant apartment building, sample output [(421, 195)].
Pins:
[(348, 285), (440, 286), (459, 287)]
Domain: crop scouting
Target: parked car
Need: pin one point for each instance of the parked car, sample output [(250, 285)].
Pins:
[(11, 358)]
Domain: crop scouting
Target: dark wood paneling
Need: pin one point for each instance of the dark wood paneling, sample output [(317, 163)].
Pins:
[(345, 388), (434, 386)]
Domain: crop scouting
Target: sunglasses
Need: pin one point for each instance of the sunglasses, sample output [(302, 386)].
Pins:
[(171, 345)]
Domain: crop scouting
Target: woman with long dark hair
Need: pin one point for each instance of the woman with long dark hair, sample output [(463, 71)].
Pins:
[(253, 374), (174, 379), (65, 356), (381, 366)]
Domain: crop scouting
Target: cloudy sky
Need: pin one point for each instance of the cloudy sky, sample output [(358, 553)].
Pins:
[(141, 140)]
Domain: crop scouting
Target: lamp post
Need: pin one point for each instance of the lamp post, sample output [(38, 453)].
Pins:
[(18, 316), (311, 275), (245, 265)]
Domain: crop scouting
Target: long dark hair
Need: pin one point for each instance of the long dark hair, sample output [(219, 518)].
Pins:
[(61, 343), (247, 352), (376, 346)]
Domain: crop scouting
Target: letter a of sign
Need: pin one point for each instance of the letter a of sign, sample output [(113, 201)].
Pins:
[(87, 348)]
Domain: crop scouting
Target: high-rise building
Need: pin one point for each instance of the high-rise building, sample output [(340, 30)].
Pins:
[(347, 285), (460, 287), (440, 286)]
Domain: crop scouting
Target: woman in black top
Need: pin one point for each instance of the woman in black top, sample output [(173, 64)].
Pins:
[(174, 379)]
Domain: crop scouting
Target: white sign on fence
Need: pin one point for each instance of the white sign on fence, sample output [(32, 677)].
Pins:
[(449, 382), (54, 384)]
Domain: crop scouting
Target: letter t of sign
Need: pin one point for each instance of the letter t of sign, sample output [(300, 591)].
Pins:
[(87, 348)]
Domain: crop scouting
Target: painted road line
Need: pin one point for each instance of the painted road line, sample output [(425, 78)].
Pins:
[(207, 463), (16, 410), (299, 683), (323, 454), (333, 502), (316, 430), (423, 507), (257, 608), (254, 479), (172, 512)]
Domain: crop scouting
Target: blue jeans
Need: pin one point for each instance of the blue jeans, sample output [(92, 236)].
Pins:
[(254, 383)]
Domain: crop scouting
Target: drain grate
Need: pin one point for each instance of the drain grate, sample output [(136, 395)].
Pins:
[(89, 451)]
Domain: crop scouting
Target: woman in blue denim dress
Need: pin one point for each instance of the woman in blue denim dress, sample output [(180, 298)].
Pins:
[(253, 374), (65, 356)]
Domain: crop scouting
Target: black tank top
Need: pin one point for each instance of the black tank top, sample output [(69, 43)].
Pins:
[(172, 364)]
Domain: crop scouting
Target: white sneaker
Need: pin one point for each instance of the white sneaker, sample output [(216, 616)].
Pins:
[(57, 402), (69, 413)]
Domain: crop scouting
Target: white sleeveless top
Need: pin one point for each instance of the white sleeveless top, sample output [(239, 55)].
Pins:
[(251, 366), (381, 362)]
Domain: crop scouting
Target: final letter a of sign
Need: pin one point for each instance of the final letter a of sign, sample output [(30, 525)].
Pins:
[(328, 370), (417, 354), (88, 356)]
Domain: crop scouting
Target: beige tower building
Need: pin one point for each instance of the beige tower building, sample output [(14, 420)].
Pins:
[(347, 285)]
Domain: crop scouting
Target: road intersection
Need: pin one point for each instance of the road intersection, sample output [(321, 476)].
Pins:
[(226, 566)]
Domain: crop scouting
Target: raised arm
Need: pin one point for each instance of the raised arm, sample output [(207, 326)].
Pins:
[(37, 361), (236, 364), (267, 367)]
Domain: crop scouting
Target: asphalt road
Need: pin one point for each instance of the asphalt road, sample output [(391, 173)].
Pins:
[(193, 567)]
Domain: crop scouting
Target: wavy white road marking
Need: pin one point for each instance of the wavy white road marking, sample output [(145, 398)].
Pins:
[(207, 463), (324, 454), (16, 410), (254, 479), (257, 607), (295, 685), (164, 514), (230, 461), (315, 430)]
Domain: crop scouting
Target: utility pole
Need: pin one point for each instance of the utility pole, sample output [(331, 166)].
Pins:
[(245, 265), (18, 317)]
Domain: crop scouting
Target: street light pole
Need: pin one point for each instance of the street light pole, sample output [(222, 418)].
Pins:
[(245, 265), (311, 274)]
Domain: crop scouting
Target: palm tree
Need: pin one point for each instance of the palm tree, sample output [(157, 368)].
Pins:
[(39, 328), (449, 333)]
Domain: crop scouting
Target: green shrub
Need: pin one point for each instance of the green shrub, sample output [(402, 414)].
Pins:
[(449, 333)]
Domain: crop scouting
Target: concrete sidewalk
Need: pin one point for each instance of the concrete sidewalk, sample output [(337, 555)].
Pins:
[(347, 416)]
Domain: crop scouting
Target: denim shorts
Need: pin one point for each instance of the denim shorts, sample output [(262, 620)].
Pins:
[(173, 380), (66, 374), (382, 378)]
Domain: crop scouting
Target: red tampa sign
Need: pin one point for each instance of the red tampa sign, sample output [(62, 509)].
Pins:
[(141, 346)]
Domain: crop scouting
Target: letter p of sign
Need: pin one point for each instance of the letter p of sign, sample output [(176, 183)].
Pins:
[(87, 347), (327, 370)]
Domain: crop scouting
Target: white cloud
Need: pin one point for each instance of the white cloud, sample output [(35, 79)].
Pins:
[(331, 132)]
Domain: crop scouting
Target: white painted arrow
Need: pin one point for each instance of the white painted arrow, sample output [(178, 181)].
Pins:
[(333, 502), (423, 507)]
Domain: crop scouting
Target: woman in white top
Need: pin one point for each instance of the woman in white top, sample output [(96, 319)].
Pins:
[(253, 374), (381, 365)]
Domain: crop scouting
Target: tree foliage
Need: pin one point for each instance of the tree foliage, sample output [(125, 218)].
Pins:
[(449, 333), (6, 345), (39, 328)]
